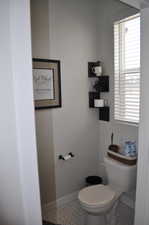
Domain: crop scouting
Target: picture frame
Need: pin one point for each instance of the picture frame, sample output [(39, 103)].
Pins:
[(46, 83)]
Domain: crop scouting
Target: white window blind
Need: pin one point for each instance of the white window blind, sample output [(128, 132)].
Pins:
[(127, 69)]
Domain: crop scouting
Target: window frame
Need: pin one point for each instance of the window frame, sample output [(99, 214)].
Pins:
[(127, 71)]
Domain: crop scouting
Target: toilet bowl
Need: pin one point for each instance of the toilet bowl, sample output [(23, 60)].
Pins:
[(98, 200)]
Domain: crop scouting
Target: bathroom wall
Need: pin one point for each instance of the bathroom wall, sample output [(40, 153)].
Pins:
[(66, 30), (109, 12)]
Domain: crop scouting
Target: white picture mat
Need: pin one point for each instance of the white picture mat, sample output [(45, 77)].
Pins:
[(43, 83)]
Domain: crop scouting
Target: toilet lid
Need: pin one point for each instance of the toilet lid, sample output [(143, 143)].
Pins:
[(96, 195)]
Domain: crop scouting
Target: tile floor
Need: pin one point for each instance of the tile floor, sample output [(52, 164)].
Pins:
[(72, 214)]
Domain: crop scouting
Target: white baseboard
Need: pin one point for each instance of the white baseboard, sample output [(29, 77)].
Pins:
[(60, 202)]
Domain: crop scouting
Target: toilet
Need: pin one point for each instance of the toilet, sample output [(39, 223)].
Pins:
[(98, 200)]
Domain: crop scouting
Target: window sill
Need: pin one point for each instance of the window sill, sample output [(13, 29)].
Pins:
[(126, 123)]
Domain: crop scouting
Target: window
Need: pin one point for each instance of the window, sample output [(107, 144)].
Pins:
[(127, 69)]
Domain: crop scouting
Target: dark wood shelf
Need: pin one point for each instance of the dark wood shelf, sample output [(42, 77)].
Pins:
[(101, 85), (90, 68), (92, 96), (104, 113)]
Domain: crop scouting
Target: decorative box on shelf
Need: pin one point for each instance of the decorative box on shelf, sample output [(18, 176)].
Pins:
[(92, 96), (91, 66), (101, 84)]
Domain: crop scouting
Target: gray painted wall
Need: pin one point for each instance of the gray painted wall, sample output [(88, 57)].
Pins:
[(73, 40), (69, 34)]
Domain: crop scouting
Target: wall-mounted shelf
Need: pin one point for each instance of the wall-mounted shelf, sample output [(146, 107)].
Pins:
[(104, 113), (92, 96), (101, 84), (90, 68)]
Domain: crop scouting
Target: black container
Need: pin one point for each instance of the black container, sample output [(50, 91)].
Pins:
[(93, 180)]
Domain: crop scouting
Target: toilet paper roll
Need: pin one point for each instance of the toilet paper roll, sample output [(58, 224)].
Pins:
[(97, 70), (66, 157), (99, 103)]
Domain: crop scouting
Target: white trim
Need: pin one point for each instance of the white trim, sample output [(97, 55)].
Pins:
[(142, 196), (20, 35), (127, 19)]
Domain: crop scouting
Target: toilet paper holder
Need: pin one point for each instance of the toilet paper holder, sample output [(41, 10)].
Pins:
[(66, 157)]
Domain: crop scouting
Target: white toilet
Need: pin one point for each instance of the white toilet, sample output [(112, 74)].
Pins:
[(97, 200)]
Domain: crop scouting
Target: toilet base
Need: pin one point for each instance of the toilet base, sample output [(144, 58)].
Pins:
[(96, 219)]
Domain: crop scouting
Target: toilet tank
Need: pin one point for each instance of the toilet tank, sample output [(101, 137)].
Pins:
[(120, 176)]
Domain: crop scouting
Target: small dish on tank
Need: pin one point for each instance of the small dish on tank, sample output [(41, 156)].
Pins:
[(121, 158)]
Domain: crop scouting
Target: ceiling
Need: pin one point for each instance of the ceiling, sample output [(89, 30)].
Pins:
[(137, 3)]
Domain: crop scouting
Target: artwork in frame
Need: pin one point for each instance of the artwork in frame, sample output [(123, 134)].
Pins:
[(46, 83)]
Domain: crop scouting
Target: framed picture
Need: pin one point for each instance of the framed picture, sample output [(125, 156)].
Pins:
[(46, 83)]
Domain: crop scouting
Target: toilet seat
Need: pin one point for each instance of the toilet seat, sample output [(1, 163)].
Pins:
[(97, 196)]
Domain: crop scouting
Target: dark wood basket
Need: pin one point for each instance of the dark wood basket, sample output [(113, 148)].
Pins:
[(123, 159)]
